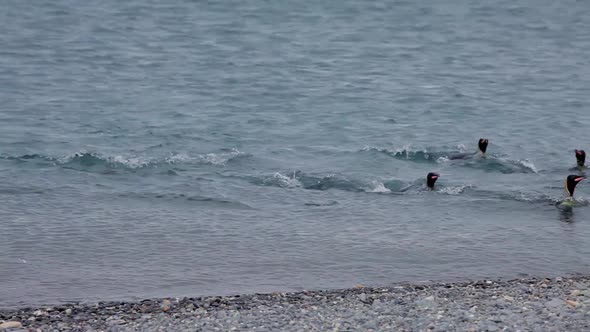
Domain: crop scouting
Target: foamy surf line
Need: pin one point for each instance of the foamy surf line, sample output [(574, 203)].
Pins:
[(84, 159), (556, 304), (490, 163)]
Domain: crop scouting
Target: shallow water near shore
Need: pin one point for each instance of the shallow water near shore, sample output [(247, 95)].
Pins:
[(207, 149)]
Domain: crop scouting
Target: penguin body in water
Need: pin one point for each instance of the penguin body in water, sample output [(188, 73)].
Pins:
[(580, 161), (570, 185), (417, 185), (482, 145), (431, 180)]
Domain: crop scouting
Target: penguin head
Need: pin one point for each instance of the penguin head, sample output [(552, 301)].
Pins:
[(571, 182), (580, 157), (431, 179), (483, 145)]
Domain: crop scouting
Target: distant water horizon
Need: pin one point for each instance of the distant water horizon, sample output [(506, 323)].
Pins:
[(186, 149)]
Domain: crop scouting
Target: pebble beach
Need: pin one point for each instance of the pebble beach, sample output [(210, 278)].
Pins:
[(534, 304)]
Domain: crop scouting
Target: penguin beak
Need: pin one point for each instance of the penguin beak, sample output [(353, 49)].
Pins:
[(434, 177), (579, 178)]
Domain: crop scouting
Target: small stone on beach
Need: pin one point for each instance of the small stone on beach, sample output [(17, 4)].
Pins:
[(555, 303), (10, 325)]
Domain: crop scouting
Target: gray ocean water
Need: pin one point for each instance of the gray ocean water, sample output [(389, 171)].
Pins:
[(219, 147)]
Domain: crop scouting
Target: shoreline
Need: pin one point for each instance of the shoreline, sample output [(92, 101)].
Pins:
[(527, 304)]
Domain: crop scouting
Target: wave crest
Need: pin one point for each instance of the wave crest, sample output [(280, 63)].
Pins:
[(458, 157), (505, 166), (96, 161), (454, 190), (86, 159), (298, 179), (378, 187), (215, 159)]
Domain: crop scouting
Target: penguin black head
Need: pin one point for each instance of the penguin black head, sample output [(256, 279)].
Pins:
[(580, 157), (483, 145), (571, 182), (431, 179)]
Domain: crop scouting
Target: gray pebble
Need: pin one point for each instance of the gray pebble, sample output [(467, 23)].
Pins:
[(114, 322), (492, 328), (362, 297), (555, 303)]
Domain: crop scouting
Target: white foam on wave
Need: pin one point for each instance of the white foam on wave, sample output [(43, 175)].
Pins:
[(177, 158), (522, 196), (217, 159), (377, 187), (521, 164), (69, 157), (367, 148), (583, 201), (528, 164), (456, 190), (135, 161), (220, 159), (405, 151), (129, 162), (286, 181)]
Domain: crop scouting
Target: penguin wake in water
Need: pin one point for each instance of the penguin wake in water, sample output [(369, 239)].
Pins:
[(431, 179), (482, 145), (570, 185), (580, 161)]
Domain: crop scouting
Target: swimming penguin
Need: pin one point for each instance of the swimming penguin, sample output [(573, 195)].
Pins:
[(570, 185), (482, 144), (571, 182), (431, 179), (581, 158)]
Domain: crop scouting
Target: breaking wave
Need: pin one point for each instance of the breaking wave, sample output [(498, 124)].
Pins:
[(299, 179), (501, 165), (216, 159), (96, 161), (453, 190), (458, 157)]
